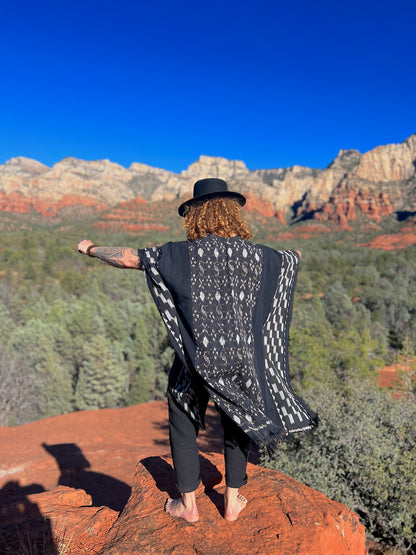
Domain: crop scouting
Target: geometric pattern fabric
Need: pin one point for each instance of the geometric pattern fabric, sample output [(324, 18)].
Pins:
[(225, 277)]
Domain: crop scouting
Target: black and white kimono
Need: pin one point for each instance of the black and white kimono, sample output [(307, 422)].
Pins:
[(227, 305)]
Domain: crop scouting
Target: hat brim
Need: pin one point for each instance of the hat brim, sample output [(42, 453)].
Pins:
[(228, 194)]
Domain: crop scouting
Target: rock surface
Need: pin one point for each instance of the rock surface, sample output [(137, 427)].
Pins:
[(61, 517), (388, 163), (94, 450), (398, 377), (395, 241), (64, 481), (371, 185), (282, 516)]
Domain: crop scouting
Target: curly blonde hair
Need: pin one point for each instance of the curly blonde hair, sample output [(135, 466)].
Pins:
[(218, 215)]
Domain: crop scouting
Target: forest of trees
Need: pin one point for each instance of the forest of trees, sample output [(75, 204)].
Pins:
[(77, 334)]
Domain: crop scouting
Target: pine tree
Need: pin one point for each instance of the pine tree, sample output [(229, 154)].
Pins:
[(143, 382), (103, 375)]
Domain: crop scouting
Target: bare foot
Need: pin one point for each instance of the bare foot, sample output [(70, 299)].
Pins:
[(176, 507), (233, 505)]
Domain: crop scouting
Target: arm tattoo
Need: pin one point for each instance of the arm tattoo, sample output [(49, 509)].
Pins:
[(120, 257)]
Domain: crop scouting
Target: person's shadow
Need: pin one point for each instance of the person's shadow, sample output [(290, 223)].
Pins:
[(104, 490), (23, 528)]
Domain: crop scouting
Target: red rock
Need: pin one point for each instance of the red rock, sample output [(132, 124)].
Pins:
[(388, 376), (342, 206), (61, 495), (63, 516), (280, 216), (94, 450), (391, 242), (84, 528), (375, 183), (282, 516), (98, 450), (50, 209), (394, 377), (286, 236), (73, 450), (69, 511), (15, 202), (301, 231), (137, 200), (132, 216), (263, 207)]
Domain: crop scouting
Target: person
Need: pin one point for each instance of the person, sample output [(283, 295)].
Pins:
[(226, 304)]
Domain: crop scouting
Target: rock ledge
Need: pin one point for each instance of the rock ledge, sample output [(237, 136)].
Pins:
[(282, 516)]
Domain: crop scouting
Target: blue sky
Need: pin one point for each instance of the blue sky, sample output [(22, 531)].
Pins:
[(272, 83)]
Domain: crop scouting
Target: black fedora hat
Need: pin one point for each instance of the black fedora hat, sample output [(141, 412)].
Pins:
[(211, 187)]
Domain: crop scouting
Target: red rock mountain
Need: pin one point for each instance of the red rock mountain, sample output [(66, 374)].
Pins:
[(372, 185), (95, 482)]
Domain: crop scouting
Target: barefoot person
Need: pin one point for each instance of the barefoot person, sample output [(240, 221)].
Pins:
[(226, 304)]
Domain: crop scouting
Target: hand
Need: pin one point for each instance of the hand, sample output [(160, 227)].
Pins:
[(83, 246)]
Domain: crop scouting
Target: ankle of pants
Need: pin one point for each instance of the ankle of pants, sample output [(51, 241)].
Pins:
[(188, 488), (236, 483)]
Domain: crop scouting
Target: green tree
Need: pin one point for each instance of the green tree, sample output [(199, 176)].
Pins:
[(407, 370), (18, 399), (355, 354), (51, 375), (103, 375), (311, 336), (339, 308), (143, 368)]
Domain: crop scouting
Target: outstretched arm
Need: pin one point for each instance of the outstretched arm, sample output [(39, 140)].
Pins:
[(119, 257)]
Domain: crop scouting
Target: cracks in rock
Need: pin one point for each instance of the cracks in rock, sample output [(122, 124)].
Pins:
[(289, 519)]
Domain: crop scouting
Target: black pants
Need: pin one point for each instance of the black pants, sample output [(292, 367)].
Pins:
[(182, 436)]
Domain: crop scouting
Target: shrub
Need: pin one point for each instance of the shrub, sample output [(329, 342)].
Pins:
[(363, 454)]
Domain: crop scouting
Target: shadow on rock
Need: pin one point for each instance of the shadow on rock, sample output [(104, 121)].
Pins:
[(23, 528), (74, 467), (164, 475)]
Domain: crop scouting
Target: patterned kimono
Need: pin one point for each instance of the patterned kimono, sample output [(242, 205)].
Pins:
[(227, 305)]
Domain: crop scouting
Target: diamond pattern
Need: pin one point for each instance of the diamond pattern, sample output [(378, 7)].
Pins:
[(225, 284)]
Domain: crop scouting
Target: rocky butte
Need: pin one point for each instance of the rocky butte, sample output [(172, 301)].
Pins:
[(371, 185), (95, 482)]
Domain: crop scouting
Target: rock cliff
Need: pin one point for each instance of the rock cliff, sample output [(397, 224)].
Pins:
[(371, 185)]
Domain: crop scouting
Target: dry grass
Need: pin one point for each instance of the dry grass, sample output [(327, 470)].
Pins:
[(27, 542)]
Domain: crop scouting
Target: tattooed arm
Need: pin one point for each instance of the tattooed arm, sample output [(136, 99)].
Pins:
[(120, 257)]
